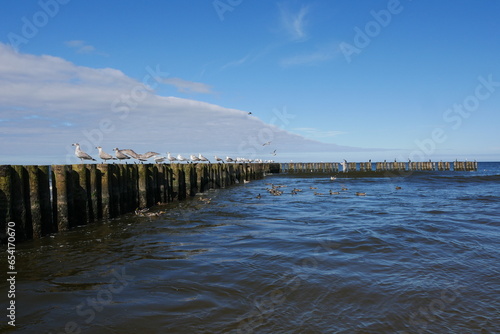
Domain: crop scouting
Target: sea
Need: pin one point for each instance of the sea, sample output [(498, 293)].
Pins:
[(418, 253)]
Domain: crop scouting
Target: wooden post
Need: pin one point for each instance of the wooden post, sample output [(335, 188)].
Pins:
[(103, 183), (80, 199), (92, 189), (5, 199), (21, 203), (143, 185), (174, 192), (62, 197), (36, 210)]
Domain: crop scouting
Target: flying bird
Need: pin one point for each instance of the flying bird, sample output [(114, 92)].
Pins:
[(80, 154), (103, 155), (268, 143)]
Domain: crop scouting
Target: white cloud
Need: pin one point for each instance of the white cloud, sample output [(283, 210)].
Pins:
[(47, 103), (185, 86), (82, 47)]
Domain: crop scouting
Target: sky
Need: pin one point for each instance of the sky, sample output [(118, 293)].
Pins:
[(320, 80)]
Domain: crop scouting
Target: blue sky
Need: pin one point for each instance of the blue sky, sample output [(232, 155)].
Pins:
[(324, 80)]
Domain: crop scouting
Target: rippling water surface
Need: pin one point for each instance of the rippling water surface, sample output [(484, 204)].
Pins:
[(421, 259)]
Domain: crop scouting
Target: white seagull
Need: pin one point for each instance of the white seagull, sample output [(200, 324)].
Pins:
[(228, 159), (194, 158), (344, 165), (218, 159), (120, 155), (181, 158), (103, 155), (80, 154), (171, 158), (202, 158), (159, 158)]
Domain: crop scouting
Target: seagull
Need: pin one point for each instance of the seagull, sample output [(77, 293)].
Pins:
[(218, 159), (159, 158), (140, 157), (147, 155), (202, 158), (181, 158), (268, 143), (228, 159), (194, 158), (130, 152), (120, 155), (80, 154), (273, 152), (171, 158), (344, 166), (103, 155)]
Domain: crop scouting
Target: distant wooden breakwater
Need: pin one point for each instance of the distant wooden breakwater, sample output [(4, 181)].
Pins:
[(41, 200), (375, 168), (47, 199)]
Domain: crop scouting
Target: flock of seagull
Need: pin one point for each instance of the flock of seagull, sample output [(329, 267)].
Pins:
[(125, 154)]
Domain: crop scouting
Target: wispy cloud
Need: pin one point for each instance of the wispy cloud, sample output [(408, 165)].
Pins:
[(294, 22), (236, 63), (311, 58), (315, 133), (82, 47), (185, 86)]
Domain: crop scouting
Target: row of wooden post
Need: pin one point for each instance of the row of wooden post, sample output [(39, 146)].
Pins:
[(328, 167), (46, 199)]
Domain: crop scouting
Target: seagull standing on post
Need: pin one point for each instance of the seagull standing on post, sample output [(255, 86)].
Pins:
[(171, 158), (181, 158), (202, 158), (120, 155), (194, 158), (103, 155), (80, 154)]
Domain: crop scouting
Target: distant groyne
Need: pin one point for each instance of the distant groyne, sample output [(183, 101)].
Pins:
[(375, 168), (46, 199), (41, 200)]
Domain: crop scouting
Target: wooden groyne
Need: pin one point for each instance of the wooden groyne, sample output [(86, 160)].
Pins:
[(375, 168), (47, 199)]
